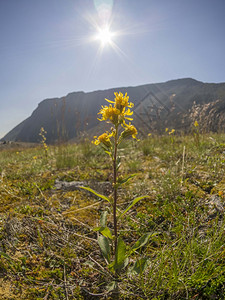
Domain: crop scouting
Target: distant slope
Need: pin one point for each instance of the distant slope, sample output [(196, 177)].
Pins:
[(12, 134), (156, 106)]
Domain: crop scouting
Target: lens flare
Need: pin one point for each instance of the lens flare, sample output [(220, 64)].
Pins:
[(104, 36), (104, 9)]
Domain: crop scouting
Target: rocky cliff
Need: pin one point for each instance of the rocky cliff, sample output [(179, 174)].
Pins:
[(168, 104)]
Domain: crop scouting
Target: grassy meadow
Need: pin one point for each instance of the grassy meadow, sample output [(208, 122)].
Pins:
[(49, 250)]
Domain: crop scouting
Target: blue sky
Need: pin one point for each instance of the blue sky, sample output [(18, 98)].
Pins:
[(47, 48)]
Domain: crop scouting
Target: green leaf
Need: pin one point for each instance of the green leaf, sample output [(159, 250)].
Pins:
[(103, 218), (108, 152), (126, 179), (120, 254), (111, 265), (95, 193), (105, 247), (107, 233), (104, 231), (136, 200), (140, 265), (97, 228), (142, 241)]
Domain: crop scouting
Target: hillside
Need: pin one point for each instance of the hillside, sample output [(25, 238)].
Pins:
[(157, 106)]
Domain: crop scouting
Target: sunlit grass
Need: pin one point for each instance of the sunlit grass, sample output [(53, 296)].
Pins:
[(46, 237)]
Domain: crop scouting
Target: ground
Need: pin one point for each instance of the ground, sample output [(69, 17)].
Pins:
[(49, 249)]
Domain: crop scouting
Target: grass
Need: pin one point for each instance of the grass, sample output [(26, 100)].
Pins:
[(48, 248)]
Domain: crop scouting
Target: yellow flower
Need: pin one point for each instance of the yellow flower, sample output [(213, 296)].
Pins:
[(127, 112), (121, 101), (109, 113), (220, 193), (104, 139), (42, 132), (118, 113), (166, 129), (196, 124), (96, 141), (149, 134), (34, 157), (172, 131), (130, 130)]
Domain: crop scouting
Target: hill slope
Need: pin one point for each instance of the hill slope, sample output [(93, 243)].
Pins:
[(156, 106)]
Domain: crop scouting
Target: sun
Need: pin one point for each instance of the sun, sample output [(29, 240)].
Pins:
[(104, 35)]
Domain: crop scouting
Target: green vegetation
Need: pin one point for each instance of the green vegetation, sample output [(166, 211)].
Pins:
[(49, 250)]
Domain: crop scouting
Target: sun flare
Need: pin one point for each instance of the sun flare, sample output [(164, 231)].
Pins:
[(104, 36)]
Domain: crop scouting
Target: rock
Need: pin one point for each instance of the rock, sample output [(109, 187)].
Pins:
[(104, 187), (69, 186), (216, 207)]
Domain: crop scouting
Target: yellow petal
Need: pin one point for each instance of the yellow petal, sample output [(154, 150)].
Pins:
[(109, 101)]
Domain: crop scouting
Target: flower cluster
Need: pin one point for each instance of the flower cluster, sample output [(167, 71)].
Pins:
[(117, 113), (121, 101), (130, 130), (170, 132), (196, 124), (109, 113), (104, 139)]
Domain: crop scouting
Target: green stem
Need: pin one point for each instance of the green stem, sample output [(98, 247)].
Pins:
[(115, 188)]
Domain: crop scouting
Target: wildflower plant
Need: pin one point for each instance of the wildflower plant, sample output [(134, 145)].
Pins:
[(43, 140), (113, 248), (171, 133), (196, 133)]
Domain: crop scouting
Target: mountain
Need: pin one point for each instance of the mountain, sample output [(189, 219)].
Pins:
[(157, 106)]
